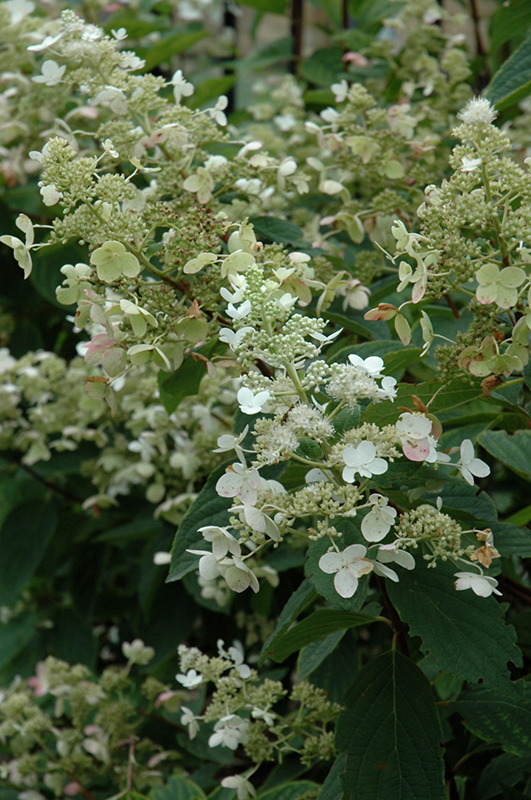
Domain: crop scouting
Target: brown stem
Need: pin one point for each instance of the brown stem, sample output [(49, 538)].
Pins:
[(344, 14), (396, 622), (452, 306), (474, 12), (518, 589), (49, 484), (296, 33)]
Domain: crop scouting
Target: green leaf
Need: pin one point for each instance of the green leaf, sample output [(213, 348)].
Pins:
[(24, 537), (15, 635), (391, 733), (504, 770), (178, 788), (453, 395), (513, 450), (207, 509), (315, 627), (396, 358), (136, 26), (465, 633), (301, 599), (271, 53), (170, 46), (313, 655), (499, 717), (289, 791), (265, 6), (510, 20), (512, 82), (323, 66), (331, 788), (276, 230), (211, 89), (185, 381), (510, 540)]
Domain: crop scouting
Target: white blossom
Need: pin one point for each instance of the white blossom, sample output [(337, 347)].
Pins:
[(222, 540), (217, 113), (482, 585), (51, 73), (191, 679), (378, 522), (229, 732), (251, 403), (470, 164), (469, 466), (244, 788), (238, 575), (478, 110), (371, 365), (240, 481), (181, 87), (348, 566), (363, 460)]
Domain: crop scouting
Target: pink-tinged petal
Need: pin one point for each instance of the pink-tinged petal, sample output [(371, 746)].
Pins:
[(487, 294), (345, 583), (419, 290), (478, 468), (418, 451)]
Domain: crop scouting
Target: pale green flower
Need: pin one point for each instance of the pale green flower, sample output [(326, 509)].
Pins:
[(499, 286), (112, 261)]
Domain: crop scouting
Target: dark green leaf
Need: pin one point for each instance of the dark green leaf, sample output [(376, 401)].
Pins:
[(276, 230), (174, 387), (504, 770), (511, 540), (512, 450), (265, 6), (499, 717), (24, 537), (465, 633), (315, 627), (15, 635), (512, 82), (331, 788), (391, 733), (302, 598), (313, 655), (289, 791), (178, 788)]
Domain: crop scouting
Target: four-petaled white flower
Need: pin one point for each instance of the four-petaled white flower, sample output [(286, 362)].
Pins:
[(233, 339), (469, 466), (228, 442), (20, 249), (230, 731), (202, 184), (380, 519), (189, 720), (251, 403), (348, 565), (240, 481), (244, 788), (482, 585), (340, 90), (216, 113), (363, 460), (51, 73), (191, 679), (236, 655), (181, 87), (371, 365), (222, 540), (390, 553), (241, 312), (238, 575)]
